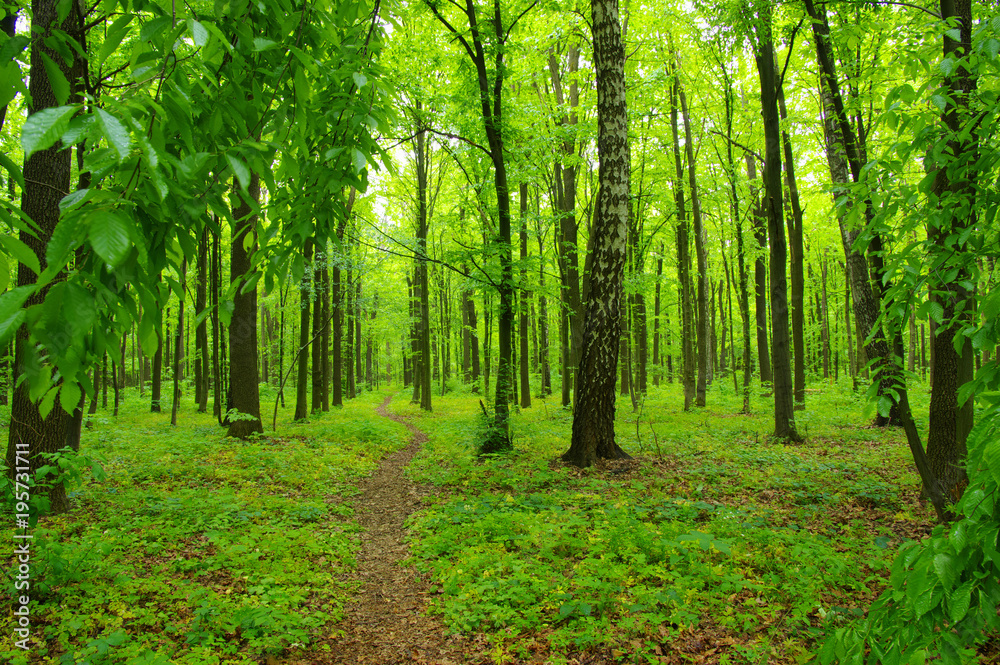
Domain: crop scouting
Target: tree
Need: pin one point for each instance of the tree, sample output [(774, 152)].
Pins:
[(784, 414), (594, 418), (243, 377), (35, 431), (490, 82)]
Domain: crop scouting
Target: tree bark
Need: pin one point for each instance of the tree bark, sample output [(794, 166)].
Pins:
[(703, 333), (594, 418), (523, 323), (784, 414), (46, 181), (175, 402), (796, 251), (243, 377), (688, 355), (302, 350)]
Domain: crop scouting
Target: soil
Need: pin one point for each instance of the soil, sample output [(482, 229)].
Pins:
[(388, 623)]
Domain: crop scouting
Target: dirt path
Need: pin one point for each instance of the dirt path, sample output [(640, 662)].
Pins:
[(387, 622)]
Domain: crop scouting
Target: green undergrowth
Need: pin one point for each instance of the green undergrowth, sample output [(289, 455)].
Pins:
[(198, 548), (715, 543)]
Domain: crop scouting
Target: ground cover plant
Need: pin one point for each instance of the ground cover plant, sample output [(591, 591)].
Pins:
[(715, 544), (190, 547)]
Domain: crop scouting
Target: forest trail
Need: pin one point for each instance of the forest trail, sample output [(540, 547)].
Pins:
[(387, 622)]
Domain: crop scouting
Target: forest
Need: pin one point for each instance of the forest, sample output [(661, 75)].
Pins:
[(500, 331)]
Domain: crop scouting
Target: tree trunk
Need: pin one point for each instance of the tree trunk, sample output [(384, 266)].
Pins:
[(156, 387), (796, 251), (316, 346), (523, 323), (656, 318), (302, 350), (216, 276), (703, 332), (683, 264), (201, 334), (422, 300), (954, 189), (760, 277), (784, 415), (46, 178), (243, 383), (178, 349), (594, 418)]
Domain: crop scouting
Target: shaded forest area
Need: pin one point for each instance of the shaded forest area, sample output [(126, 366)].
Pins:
[(597, 234)]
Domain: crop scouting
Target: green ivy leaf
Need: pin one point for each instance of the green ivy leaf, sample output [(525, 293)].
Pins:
[(109, 236), (41, 130)]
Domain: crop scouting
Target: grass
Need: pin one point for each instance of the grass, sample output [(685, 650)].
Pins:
[(716, 544), (197, 548)]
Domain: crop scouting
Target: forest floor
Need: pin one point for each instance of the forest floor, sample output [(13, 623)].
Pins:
[(387, 621), (374, 535)]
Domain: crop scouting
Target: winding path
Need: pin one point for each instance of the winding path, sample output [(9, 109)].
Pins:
[(387, 622)]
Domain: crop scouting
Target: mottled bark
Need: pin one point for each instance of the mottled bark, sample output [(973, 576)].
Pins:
[(593, 420)]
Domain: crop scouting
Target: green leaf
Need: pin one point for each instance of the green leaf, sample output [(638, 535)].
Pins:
[(940, 101), (4, 273), (10, 81), (359, 160), (116, 33), (109, 236), (13, 47), (360, 79), (239, 169), (41, 130), (959, 600), (261, 44), (198, 33), (12, 169), (69, 396), (58, 80), (73, 199), (46, 403), (11, 314), (944, 567), (116, 134), (24, 254)]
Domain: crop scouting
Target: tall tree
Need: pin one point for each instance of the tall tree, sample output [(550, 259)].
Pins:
[(784, 414), (490, 82), (594, 418), (46, 177), (244, 390), (703, 332)]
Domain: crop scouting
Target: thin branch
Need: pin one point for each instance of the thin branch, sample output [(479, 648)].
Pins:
[(738, 145), (788, 57)]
